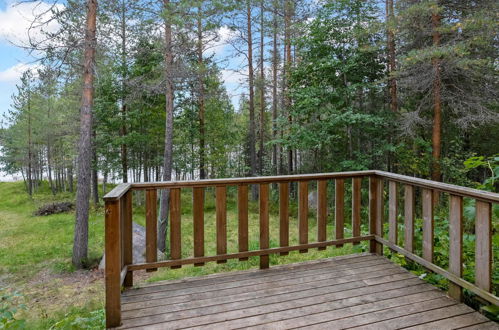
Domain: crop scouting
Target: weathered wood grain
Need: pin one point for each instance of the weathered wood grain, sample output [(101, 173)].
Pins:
[(322, 211), (483, 245), (221, 220), (339, 208), (284, 215), (264, 224), (198, 222), (175, 225), (151, 227), (242, 212), (409, 212), (356, 205), (456, 244)]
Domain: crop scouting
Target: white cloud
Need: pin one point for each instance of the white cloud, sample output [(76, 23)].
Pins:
[(17, 18), (234, 77), (217, 47), (14, 73)]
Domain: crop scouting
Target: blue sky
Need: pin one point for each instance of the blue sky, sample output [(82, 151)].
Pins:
[(14, 22)]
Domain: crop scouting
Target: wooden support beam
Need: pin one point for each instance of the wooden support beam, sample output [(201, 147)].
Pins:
[(113, 263), (483, 245), (456, 244), (303, 213), (409, 202), (264, 224), (127, 237), (175, 225), (221, 221), (151, 226), (198, 222), (428, 224), (284, 215), (242, 211), (356, 204), (374, 220), (321, 211), (339, 209)]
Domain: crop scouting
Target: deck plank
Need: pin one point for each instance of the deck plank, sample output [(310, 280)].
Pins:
[(363, 291), (455, 322)]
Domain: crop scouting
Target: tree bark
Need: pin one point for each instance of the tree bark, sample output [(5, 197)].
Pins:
[(437, 102), (94, 175), (392, 82), (274, 92), (262, 88), (80, 244), (287, 65), (251, 82), (29, 173), (168, 152), (124, 156), (201, 101)]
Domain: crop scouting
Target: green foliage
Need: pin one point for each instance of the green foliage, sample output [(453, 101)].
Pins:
[(10, 305), (82, 320)]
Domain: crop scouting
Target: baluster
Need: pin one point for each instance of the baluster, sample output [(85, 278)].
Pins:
[(113, 258), (456, 244), (175, 225), (392, 212), (409, 218), (483, 245), (321, 212), (374, 219), (198, 218), (127, 237), (303, 213), (221, 221), (264, 224), (381, 210), (242, 209), (339, 209), (151, 227), (356, 203), (428, 224), (284, 215)]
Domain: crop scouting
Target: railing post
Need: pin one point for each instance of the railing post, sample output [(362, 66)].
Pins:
[(483, 245), (113, 263), (264, 224), (374, 214), (151, 227), (127, 237), (456, 244)]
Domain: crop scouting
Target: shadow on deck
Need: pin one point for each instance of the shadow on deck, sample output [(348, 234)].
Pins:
[(356, 291)]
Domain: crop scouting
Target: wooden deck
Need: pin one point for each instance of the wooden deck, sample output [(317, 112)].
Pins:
[(356, 291)]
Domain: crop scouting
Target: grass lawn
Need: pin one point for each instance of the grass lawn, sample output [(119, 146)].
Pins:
[(35, 254)]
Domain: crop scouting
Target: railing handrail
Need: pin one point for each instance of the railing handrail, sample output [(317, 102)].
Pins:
[(440, 186), (488, 196)]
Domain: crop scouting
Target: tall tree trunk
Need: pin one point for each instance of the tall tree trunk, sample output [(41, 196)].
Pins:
[(262, 86), (30, 148), (124, 156), (168, 152), (437, 102), (201, 101), (251, 78), (95, 174), (287, 65), (49, 152), (274, 92), (80, 244), (392, 82)]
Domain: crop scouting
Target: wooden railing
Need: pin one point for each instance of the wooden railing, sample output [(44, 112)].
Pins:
[(118, 246)]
